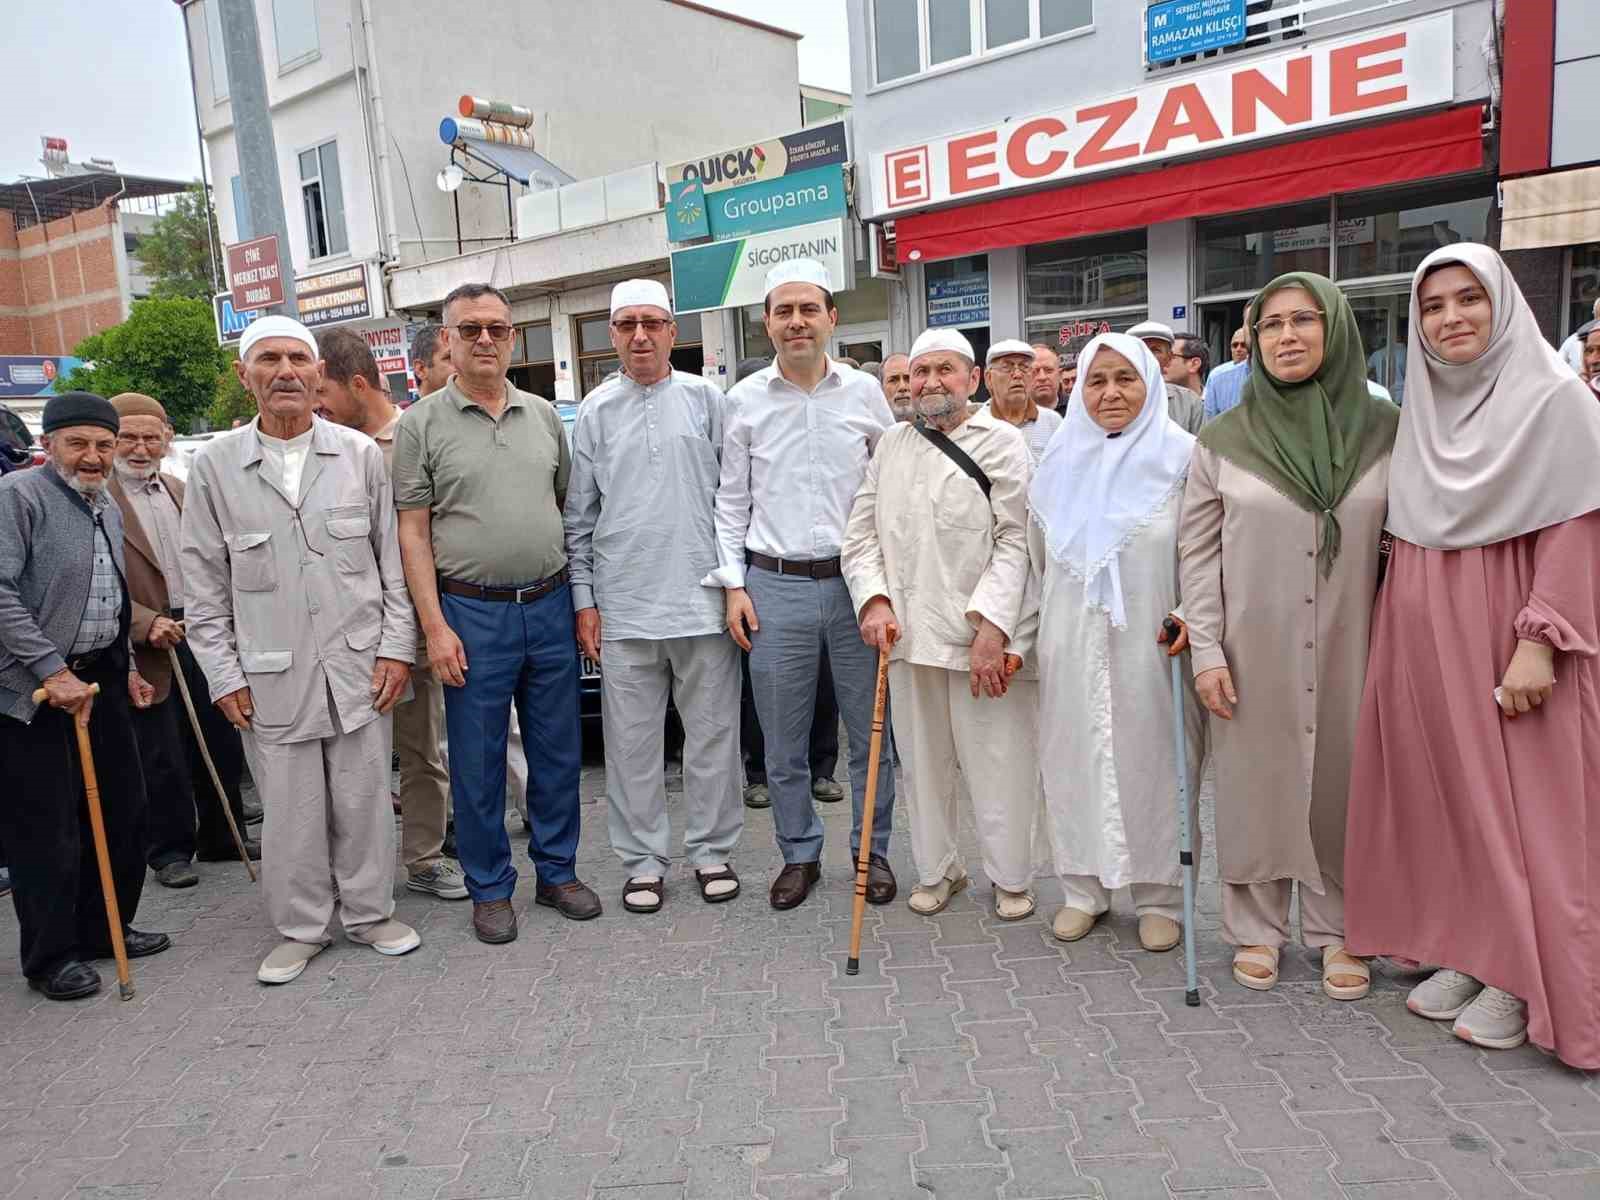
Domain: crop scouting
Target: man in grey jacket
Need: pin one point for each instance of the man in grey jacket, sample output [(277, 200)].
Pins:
[(64, 614), (297, 612)]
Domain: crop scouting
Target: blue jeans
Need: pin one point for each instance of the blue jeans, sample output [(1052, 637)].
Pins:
[(527, 655)]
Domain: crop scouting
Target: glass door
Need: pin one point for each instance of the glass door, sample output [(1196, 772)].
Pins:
[(1385, 321), (864, 343)]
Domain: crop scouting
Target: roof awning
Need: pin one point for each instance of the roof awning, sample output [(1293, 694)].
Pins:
[(1445, 143), (1559, 209)]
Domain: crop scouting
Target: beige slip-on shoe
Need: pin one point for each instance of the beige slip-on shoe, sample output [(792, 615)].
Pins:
[(1158, 933), (287, 961), (1072, 923), (387, 937)]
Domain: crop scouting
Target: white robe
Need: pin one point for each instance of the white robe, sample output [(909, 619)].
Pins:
[(1106, 749)]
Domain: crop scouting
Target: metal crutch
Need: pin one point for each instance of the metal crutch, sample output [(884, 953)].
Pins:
[(1191, 997)]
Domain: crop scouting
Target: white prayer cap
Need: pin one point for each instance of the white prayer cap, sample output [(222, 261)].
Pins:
[(799, 270), (1152, 329), (640, 291), (942, 339), (1008, 346), (276, 327)]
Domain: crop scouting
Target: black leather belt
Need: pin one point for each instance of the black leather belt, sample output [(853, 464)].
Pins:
[(820, 568), (522, 595), (175, 613), (84, 661)]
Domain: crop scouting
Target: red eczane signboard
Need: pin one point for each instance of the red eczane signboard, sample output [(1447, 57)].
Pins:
[(253, 274)]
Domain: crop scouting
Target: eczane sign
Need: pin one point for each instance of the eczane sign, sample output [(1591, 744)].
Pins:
[(1394, 69)]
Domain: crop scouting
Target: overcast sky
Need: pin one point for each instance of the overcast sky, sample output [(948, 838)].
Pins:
[(112, 78)]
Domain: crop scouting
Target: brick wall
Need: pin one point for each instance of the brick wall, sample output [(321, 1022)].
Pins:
[(58, 281)]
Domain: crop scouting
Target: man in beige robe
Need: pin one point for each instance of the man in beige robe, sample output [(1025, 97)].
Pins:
[(937, 567)]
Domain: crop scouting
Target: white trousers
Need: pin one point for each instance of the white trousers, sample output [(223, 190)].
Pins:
[(1087, 894), (940, 730), (1257, 914), (703, 675), (325, 808)]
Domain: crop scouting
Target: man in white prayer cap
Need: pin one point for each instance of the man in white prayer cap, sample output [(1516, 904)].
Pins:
[(638, 519), (297, 611), (936, 557), (794, 451), (1184, 405), (1008, 370)]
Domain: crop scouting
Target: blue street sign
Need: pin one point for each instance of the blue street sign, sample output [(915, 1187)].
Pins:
[(231, 323), (1178, 28)]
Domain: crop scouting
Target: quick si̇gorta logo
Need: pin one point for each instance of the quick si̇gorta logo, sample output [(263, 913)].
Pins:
[(748, 163)]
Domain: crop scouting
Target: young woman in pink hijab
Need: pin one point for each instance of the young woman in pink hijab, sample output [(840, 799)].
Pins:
[(1473, 841)]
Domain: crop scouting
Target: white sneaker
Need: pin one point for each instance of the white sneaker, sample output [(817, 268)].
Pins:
[(286, 962), (1496, 1020), (443, 879), (1444, 995), (387, 937)]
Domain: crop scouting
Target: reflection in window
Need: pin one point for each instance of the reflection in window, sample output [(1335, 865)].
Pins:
[(1087, 273), (1241, 253), (1585, 288), (1390, 234)]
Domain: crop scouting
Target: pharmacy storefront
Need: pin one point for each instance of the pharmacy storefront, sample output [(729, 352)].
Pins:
[(1350, 156)]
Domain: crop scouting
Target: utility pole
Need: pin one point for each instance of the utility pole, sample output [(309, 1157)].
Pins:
[(252, 135)]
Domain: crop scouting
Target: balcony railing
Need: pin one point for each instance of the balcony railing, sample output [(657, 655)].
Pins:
[(1269, 22)]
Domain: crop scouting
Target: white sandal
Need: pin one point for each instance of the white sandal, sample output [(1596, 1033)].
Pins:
[(1348, 965), (1256, 958)]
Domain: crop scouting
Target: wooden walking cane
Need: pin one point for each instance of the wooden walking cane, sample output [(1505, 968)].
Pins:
[(852, 964), (97, 825), (205, 753)]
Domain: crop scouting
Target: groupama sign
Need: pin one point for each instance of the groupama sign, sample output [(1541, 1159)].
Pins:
[(1354, 78)]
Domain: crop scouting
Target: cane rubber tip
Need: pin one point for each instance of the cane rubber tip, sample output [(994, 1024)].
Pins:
[(1192, 998), (126, 989), (852, 966)]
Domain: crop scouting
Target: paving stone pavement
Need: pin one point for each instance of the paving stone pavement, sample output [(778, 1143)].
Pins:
[(721, 1051)]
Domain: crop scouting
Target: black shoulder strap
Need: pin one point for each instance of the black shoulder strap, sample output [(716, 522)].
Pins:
[(956, 455)]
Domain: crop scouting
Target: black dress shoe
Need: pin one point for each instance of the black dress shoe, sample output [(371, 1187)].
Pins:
[(230, 852), (881, 887), (794, 884), (69, 981), (137, 944)]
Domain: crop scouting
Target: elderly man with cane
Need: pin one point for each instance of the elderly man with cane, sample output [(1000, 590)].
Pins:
[(936, 558), (186, 819), (64, 616), (297, 611)]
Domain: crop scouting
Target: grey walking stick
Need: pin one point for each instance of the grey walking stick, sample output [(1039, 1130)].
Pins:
[(1191, 997), (205, 753)]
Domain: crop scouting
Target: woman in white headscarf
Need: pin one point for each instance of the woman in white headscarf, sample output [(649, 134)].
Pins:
[(1105, 502), (1474, 826)]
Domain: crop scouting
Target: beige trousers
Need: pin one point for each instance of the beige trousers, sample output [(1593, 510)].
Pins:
[(325, 805), (943, 733), (1088, 894), (424, 783), (1257, 914)]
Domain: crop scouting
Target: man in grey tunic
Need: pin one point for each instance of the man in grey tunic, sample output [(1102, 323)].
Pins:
[(638, 517)]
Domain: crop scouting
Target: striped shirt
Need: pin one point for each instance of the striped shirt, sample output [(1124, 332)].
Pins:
[(102, 615)]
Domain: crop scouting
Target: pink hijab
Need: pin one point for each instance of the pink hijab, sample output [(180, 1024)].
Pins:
[(1491, 449)]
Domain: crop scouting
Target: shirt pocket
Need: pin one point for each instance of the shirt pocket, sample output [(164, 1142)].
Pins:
[(349, 534), (250, 556)]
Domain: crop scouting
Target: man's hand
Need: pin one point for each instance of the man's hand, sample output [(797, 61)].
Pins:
[(141, 692), (1217, 692), (1013, 664), (1529, 678), (988, 661), (389, 678), (879, 629), (589, 633), (66, 690), (446, 656), (1179, 643), (741, 615), (164, 632), (238, 708)]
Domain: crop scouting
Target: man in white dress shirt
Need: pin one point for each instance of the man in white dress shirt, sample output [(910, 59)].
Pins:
[(797, 440)]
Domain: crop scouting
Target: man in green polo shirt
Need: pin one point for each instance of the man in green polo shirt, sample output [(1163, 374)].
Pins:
[(480, 475)]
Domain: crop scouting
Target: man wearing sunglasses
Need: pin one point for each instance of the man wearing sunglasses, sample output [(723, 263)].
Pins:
[(480, 475)]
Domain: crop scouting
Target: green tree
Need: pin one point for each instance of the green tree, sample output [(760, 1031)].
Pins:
[(167, 349), (176, 253), (232, 402)]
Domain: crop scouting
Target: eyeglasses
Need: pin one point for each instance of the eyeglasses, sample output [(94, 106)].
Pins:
[(1303, 321), (148, 439), (651, 325), (1014, 367), (472, 331)]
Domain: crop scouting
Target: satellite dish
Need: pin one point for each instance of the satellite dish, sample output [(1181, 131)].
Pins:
[(449, 179)]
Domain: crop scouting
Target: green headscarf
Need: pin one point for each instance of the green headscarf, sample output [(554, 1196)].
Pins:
[(1314, 439)]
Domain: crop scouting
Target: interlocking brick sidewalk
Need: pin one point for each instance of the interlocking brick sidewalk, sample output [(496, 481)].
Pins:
[(721, 1051)]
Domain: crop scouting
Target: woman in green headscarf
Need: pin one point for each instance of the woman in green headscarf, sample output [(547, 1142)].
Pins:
[(1278, 561)]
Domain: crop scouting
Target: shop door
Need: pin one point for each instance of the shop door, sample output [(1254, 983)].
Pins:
[(1217, 323), (1385, 322)]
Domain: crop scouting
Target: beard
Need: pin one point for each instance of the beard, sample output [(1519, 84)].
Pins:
[(133, 474), (83, 487)]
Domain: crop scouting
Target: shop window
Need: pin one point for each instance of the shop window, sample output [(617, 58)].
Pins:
[(215, 52), (1390, 233), (294, 25), (533, 360), (1584, 289), (910, 36), (1241, 253), (322, 197), (1087, 274)]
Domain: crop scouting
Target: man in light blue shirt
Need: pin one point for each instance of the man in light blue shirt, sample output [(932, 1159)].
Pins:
[(1225, 385)]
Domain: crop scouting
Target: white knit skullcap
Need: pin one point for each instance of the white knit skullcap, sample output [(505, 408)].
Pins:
[(799, 270), (276, 327), (942, 339), (640, 291)]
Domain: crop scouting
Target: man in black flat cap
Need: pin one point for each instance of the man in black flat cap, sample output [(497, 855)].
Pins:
[(64, 615)]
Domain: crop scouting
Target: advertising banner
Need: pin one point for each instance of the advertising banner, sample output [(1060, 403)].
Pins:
[(963, 300), (334, 297), (802, 198), (820, 146), (734, 273), (686, 212), (1181, 27), (253, 273)]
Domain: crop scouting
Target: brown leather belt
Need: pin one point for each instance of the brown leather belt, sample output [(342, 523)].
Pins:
[(522, 595), (821, 568)]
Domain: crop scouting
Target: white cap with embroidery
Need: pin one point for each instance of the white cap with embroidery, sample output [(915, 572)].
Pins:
[(640, 291), (799, 270)]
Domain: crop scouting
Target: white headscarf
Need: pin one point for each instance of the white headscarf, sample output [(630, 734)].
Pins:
[(1504, 445), (1093, 492)]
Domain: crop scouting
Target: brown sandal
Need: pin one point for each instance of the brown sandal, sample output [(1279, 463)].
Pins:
[(716, 875), (655, 887)]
